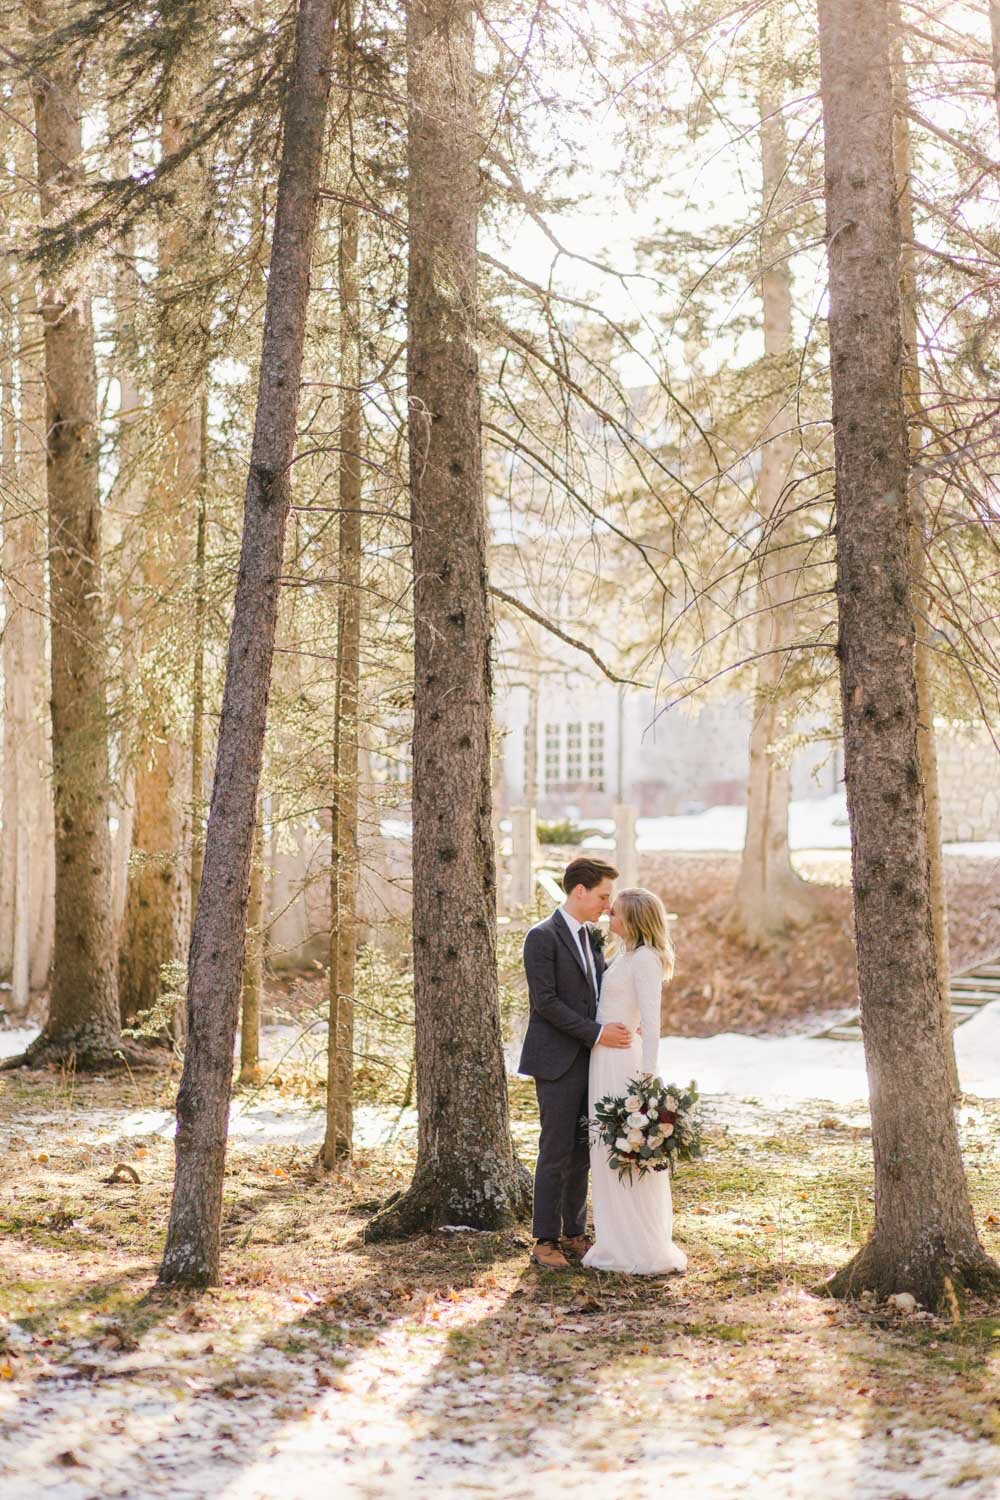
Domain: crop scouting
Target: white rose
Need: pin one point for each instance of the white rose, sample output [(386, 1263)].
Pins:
[(621, 1144), (635, 1140), (632, 1103), (637, 1121), (671, 1102)]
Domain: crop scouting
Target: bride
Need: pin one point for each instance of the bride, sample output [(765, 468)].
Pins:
[(633, 1216)]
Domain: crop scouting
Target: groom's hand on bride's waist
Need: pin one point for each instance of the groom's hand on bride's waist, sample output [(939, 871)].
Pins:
[(614, 1034)]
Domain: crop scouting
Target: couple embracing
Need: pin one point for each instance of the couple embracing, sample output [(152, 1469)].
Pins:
[(594, 1026)]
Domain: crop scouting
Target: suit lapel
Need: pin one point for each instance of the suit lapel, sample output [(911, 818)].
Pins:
[(569, 941)]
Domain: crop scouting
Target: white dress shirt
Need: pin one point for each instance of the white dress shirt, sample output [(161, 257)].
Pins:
[(576, 928)]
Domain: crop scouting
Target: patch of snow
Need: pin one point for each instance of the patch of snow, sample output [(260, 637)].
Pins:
[(974, 851), (295, 1123), (772, 1069), (775, 1069), (813, 823), (16, 1039)]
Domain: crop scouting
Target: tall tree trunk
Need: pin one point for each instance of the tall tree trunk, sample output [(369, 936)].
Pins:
[(215, 965), (15, 849), (995, 39), (26, 850), (28, 757), (32, 481), (125, 506), (198, 672), (924, 1230), (926, 739), (461, 1084), (154, 928), (83, 1011), (769, 895), (344, 810), (253, 965)]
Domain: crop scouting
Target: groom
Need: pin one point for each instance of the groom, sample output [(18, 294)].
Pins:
[(565, 965)]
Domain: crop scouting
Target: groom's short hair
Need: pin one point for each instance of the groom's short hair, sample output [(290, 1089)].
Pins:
[(588, 872)]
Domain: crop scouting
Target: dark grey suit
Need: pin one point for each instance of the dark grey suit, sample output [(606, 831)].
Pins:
[(556, 1053)]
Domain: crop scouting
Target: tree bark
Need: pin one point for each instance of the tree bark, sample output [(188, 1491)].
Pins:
[(253, 965), (126, 505), (154, 928), (926, 739), (15, 853), (337, 1143), (28, 757), (32, 478), (83, 1010), (770, 897), (466, 1171), (215, 965), (27, 844), (198, 673), (995, 40), (924, 1235)]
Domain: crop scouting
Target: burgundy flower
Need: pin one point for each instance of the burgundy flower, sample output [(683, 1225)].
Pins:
[(668, 1116)]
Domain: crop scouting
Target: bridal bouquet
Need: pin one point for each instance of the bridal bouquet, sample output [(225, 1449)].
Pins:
[(649, 1128)]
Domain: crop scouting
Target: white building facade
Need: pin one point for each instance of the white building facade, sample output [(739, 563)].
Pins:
[(597, 743)]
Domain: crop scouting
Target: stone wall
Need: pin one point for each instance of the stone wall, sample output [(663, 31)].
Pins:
[(969, 782)]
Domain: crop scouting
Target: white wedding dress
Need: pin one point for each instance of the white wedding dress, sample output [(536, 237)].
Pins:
[(633, 1218)]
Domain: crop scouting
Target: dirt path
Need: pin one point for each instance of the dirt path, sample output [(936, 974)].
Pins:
[(447, 1366)]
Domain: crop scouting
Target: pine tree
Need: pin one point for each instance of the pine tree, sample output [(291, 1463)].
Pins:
[(461, 1082), (337, 1144), (926, 740), (83, 1012), (924, 1232), (191, 1255), (769, 894)]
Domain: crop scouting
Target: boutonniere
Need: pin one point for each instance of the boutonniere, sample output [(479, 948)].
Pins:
[(596, 939)]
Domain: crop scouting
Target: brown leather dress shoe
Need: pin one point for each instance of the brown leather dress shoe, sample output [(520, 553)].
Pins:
[(549, 1256), (576, 1246)]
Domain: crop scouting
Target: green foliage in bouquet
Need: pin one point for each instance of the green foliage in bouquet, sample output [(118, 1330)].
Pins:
[(650, 1128)]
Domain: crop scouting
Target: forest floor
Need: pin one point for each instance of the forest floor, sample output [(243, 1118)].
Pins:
[(324, 1366)]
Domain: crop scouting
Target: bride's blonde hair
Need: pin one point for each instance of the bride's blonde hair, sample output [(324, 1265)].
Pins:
[(645, 921)]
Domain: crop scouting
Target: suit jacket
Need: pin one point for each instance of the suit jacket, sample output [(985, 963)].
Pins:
[(563, 1007)]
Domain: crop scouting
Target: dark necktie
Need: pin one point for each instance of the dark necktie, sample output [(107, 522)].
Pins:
[(588, 960)]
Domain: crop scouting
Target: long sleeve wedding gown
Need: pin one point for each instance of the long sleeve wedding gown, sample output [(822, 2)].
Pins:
[(633, 1217)]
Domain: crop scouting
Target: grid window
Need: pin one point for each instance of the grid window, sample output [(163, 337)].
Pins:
[(553, 755), (574, 752), (595, 755), (391, 767)]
